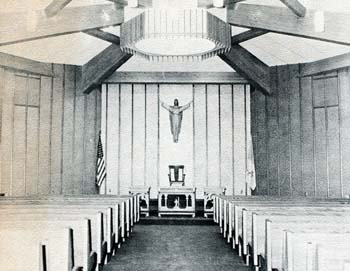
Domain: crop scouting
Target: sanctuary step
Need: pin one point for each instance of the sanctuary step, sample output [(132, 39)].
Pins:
[(176, 220)]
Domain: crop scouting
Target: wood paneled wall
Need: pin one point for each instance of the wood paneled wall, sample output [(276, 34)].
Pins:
[(136, 131), (48, 133), (301, 135)]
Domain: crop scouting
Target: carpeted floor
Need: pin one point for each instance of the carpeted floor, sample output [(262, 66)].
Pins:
[(175, 247)]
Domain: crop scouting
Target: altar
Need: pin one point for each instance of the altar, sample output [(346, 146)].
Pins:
[(177, 201)]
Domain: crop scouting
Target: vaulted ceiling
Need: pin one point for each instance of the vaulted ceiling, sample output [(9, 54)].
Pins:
[(79, 48)]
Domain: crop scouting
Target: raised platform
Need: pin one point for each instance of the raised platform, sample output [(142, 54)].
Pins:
[(178, 220)]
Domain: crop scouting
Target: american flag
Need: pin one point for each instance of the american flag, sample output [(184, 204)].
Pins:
[(100, 164)]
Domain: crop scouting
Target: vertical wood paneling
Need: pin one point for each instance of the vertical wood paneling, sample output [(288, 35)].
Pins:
[(311, 130), (151, 138), (89, 144), (125, 137), (272, 141), (320, 153), (79, 135), (32, 145), (113, 139), (261, 154), (56, 129), (239, 140), (334, 152), (344, 93), (40, 116), (307, 137), (7, 132), (284, 129), (295, 132), (44, 178), (68, 130), (213, 134), (139, 135), (200, 138), (226, 137), (19, 152)]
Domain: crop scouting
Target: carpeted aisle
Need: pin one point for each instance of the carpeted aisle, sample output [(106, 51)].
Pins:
[(175, 247)]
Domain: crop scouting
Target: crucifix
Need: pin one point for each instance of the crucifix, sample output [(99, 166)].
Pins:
[(175, 116)]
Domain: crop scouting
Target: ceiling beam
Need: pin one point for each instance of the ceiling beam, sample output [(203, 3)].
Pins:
[(247, 35), (176, 78), (14, 26), (101, 67), (325, 65), (281, 20), (55, 7), (106, 36), (25, 65), (250, 67), (295, 6)]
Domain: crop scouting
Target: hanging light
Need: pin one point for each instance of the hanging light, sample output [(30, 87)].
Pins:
[(175, 35)]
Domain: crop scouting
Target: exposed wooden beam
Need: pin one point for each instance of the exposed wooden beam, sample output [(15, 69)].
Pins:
[(247, 35), (249, 66), (325, 65), (25, 65), (13, 26), (100, 67), (97, 33), (177, 77), (295, 6), (55, 7), (281, 20)]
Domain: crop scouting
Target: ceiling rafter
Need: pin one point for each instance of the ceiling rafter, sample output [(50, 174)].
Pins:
[(14, 26), (247, 35), (281, 20), (55, 7), (100, 67), (250, 67), (295, 6), (106, 36)]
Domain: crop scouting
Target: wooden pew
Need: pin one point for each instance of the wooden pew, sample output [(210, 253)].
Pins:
[(251, 217), (119, 224), (235, 214), (32, 249), (84, 256), (99, 239), (268, 245), (126, 205), (310, 251), (229, 214), (222, 210)]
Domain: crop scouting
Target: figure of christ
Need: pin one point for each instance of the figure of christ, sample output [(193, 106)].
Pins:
[(175, 116)]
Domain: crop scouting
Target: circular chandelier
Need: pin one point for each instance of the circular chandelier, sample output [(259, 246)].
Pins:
[(175, 35)]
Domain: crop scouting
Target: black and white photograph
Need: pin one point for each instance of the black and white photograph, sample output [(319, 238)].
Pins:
[(174, 135)]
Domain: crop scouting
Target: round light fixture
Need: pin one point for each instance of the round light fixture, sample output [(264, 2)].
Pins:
[(176, 35)]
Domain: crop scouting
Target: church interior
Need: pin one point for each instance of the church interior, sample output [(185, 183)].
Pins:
[(175, 135)]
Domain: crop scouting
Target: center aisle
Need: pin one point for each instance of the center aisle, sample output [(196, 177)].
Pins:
[(176, 247)]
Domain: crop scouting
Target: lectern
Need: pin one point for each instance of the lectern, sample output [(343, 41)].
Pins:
[(177, 199)]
